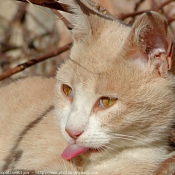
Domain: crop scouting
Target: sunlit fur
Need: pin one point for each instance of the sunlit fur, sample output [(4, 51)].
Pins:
[(108, 59)]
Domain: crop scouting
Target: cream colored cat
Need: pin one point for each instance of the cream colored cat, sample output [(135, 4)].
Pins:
[(110, 109)]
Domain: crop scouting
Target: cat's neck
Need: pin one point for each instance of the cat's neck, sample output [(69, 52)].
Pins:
[(95, 158)]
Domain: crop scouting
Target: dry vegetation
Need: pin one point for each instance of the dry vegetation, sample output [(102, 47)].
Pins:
[(30, 34)]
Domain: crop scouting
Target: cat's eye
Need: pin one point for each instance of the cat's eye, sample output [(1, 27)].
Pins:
[(67, 90), (106, 102)]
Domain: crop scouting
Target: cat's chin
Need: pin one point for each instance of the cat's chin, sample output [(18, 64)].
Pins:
[(90, 152)]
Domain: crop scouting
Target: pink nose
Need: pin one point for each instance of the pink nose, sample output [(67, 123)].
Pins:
[(73, 134)]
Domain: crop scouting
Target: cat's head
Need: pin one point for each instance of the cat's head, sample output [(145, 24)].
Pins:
[(116, 89)]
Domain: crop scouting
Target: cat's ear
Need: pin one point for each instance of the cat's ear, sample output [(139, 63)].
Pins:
[(150, 42), (87, 14)]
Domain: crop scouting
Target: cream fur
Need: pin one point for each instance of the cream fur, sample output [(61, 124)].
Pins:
[(107, 59)]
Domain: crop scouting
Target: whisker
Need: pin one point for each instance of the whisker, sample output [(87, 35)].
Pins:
[(50, 16), (138, 140), (123, 135), (107, 149)]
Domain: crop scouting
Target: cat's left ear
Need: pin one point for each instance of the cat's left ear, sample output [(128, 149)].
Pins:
[(86, 16), (150, 42)]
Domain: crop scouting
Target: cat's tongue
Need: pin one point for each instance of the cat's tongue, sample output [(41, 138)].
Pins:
[(72, 151)]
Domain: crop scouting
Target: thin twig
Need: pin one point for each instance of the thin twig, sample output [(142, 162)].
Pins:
[(20, 12), (154, 5), (137, 5), (164, 4), (133, 14), (53, 5), (65, 21), (171, 19), (17, 17), (34, 61)]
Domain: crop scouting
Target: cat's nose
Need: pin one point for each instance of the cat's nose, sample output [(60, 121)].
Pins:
[(73, 134)]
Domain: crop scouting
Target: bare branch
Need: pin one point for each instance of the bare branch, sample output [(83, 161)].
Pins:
[(17, 17), (50, 4), (34, 61), (171, 19), (164, 4), (137, 5), (65, 21), (133, 14)]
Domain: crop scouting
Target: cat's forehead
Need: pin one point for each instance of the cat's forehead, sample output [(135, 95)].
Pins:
[(107, 77), (97, 59), (99, 51)]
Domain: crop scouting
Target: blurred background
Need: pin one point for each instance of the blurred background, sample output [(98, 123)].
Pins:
[(28, 31)]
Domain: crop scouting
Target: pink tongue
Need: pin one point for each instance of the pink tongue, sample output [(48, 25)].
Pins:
[(72, 151)]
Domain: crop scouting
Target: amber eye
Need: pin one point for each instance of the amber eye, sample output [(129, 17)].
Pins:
[(67, 90), (106, 102)]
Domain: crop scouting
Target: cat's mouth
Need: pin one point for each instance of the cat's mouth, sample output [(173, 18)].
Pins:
[(74, 150)]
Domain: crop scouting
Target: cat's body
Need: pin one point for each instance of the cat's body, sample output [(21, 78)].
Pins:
[(33, 140), (25, 141), (112, 103)]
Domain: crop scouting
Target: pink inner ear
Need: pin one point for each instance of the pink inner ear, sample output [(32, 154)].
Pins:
[(150, 39), (161, 60), (169, 58)]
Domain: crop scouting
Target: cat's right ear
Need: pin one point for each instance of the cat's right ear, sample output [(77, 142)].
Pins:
[(86, 14), (150, 42)]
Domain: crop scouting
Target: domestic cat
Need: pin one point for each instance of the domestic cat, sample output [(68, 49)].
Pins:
[(110, 109)]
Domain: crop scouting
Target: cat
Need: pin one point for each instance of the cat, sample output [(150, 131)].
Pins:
[(110, 109)]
